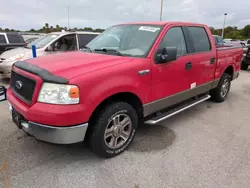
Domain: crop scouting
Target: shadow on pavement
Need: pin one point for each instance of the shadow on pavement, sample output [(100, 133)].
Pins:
[(152, 138)]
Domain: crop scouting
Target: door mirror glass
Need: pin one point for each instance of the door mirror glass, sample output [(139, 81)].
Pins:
[(166, 54)]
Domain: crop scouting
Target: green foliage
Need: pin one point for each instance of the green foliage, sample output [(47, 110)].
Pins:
[(230, 32), (233, 32), (49, 28)]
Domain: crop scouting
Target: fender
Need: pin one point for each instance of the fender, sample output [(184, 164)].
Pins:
[(107, 88), (99, 85)]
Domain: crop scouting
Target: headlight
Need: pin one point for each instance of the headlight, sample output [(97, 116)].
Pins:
[(59, 94), (16, 57)]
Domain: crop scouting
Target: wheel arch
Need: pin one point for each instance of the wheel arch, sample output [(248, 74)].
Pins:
[(127, 97), (229, 70)]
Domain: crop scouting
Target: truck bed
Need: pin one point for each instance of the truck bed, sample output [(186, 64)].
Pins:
[(228, 56)]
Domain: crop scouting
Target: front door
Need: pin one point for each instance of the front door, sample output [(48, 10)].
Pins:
[(171, 80)]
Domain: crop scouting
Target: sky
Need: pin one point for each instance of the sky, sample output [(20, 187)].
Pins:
[(27, 14)]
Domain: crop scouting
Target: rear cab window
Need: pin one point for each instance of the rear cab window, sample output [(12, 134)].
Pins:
[(15, 38), (2, 39), (200, 39), (84, 39)]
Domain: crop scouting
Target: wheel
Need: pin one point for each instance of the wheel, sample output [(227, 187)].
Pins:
[(243, 66), (113, 129), (219, 94)]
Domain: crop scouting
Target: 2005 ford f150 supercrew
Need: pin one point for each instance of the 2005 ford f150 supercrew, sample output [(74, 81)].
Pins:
[(130, 74)]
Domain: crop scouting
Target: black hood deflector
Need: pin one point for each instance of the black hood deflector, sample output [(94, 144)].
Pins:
[(44, 74)]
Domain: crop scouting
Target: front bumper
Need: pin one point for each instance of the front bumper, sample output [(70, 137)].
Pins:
[(51, 134), (55, 135)]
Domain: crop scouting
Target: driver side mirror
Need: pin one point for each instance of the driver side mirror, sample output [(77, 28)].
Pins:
[(49, 48), (166, 54)]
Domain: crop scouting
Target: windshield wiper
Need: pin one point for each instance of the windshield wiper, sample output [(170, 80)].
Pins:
[(109, 50)]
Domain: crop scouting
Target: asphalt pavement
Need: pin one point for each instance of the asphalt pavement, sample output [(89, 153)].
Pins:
[(207, 146)]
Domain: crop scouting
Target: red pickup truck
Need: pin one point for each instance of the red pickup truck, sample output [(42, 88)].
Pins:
[(130, 74)]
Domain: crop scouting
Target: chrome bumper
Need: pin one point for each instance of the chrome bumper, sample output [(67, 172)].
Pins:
[(56, 135)]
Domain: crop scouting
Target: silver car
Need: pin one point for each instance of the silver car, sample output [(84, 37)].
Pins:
[(55, 42)]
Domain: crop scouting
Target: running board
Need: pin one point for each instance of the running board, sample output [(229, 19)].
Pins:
[(177, 110)]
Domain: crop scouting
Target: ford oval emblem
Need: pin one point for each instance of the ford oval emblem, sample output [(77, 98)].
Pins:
[(19, 84)]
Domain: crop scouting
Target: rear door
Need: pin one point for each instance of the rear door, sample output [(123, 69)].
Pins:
[(204, 56)]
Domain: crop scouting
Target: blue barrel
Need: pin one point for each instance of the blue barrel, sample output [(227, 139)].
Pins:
[(34, 51)]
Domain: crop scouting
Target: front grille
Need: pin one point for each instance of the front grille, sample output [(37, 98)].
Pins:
[(22, 86)]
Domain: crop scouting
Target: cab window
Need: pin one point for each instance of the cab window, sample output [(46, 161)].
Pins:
[(175, 38), (200, 39)]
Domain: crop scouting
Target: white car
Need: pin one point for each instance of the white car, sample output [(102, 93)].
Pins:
[(55, 42)]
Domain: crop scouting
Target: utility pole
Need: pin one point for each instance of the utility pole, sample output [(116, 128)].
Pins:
[(68, 16), (222, 34), (161, 10)]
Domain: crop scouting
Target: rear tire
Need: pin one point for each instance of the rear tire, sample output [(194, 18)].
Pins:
[(219, 94), (113, 129), (243, 66)]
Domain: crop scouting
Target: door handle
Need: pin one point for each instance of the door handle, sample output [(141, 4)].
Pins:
[(188, 66), (212, 60)]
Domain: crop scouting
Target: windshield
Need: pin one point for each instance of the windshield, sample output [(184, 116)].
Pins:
[(127, 40), (43, 41)]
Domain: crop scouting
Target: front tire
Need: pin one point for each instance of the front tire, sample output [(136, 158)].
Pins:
[(219, 94), (113, 129)]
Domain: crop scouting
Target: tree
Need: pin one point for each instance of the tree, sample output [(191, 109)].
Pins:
[(99, 30), (88, 29), (51, 29), (58, 28), (246, 31), (230, 32)]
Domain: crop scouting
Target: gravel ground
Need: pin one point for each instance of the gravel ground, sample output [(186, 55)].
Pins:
[(205, 146)]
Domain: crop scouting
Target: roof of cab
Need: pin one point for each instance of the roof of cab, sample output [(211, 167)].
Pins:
[(163, 23), (73, 32)]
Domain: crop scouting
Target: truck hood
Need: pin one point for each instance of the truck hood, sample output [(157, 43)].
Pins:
[(72, 64)]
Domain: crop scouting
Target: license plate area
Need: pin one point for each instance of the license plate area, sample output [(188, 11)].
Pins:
[(17, 118)]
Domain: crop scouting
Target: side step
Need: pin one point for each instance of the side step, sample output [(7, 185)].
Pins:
[(177, 110)]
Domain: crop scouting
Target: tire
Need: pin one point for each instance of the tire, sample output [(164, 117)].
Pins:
[(244, 66), (109, 123), (220, 93)]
